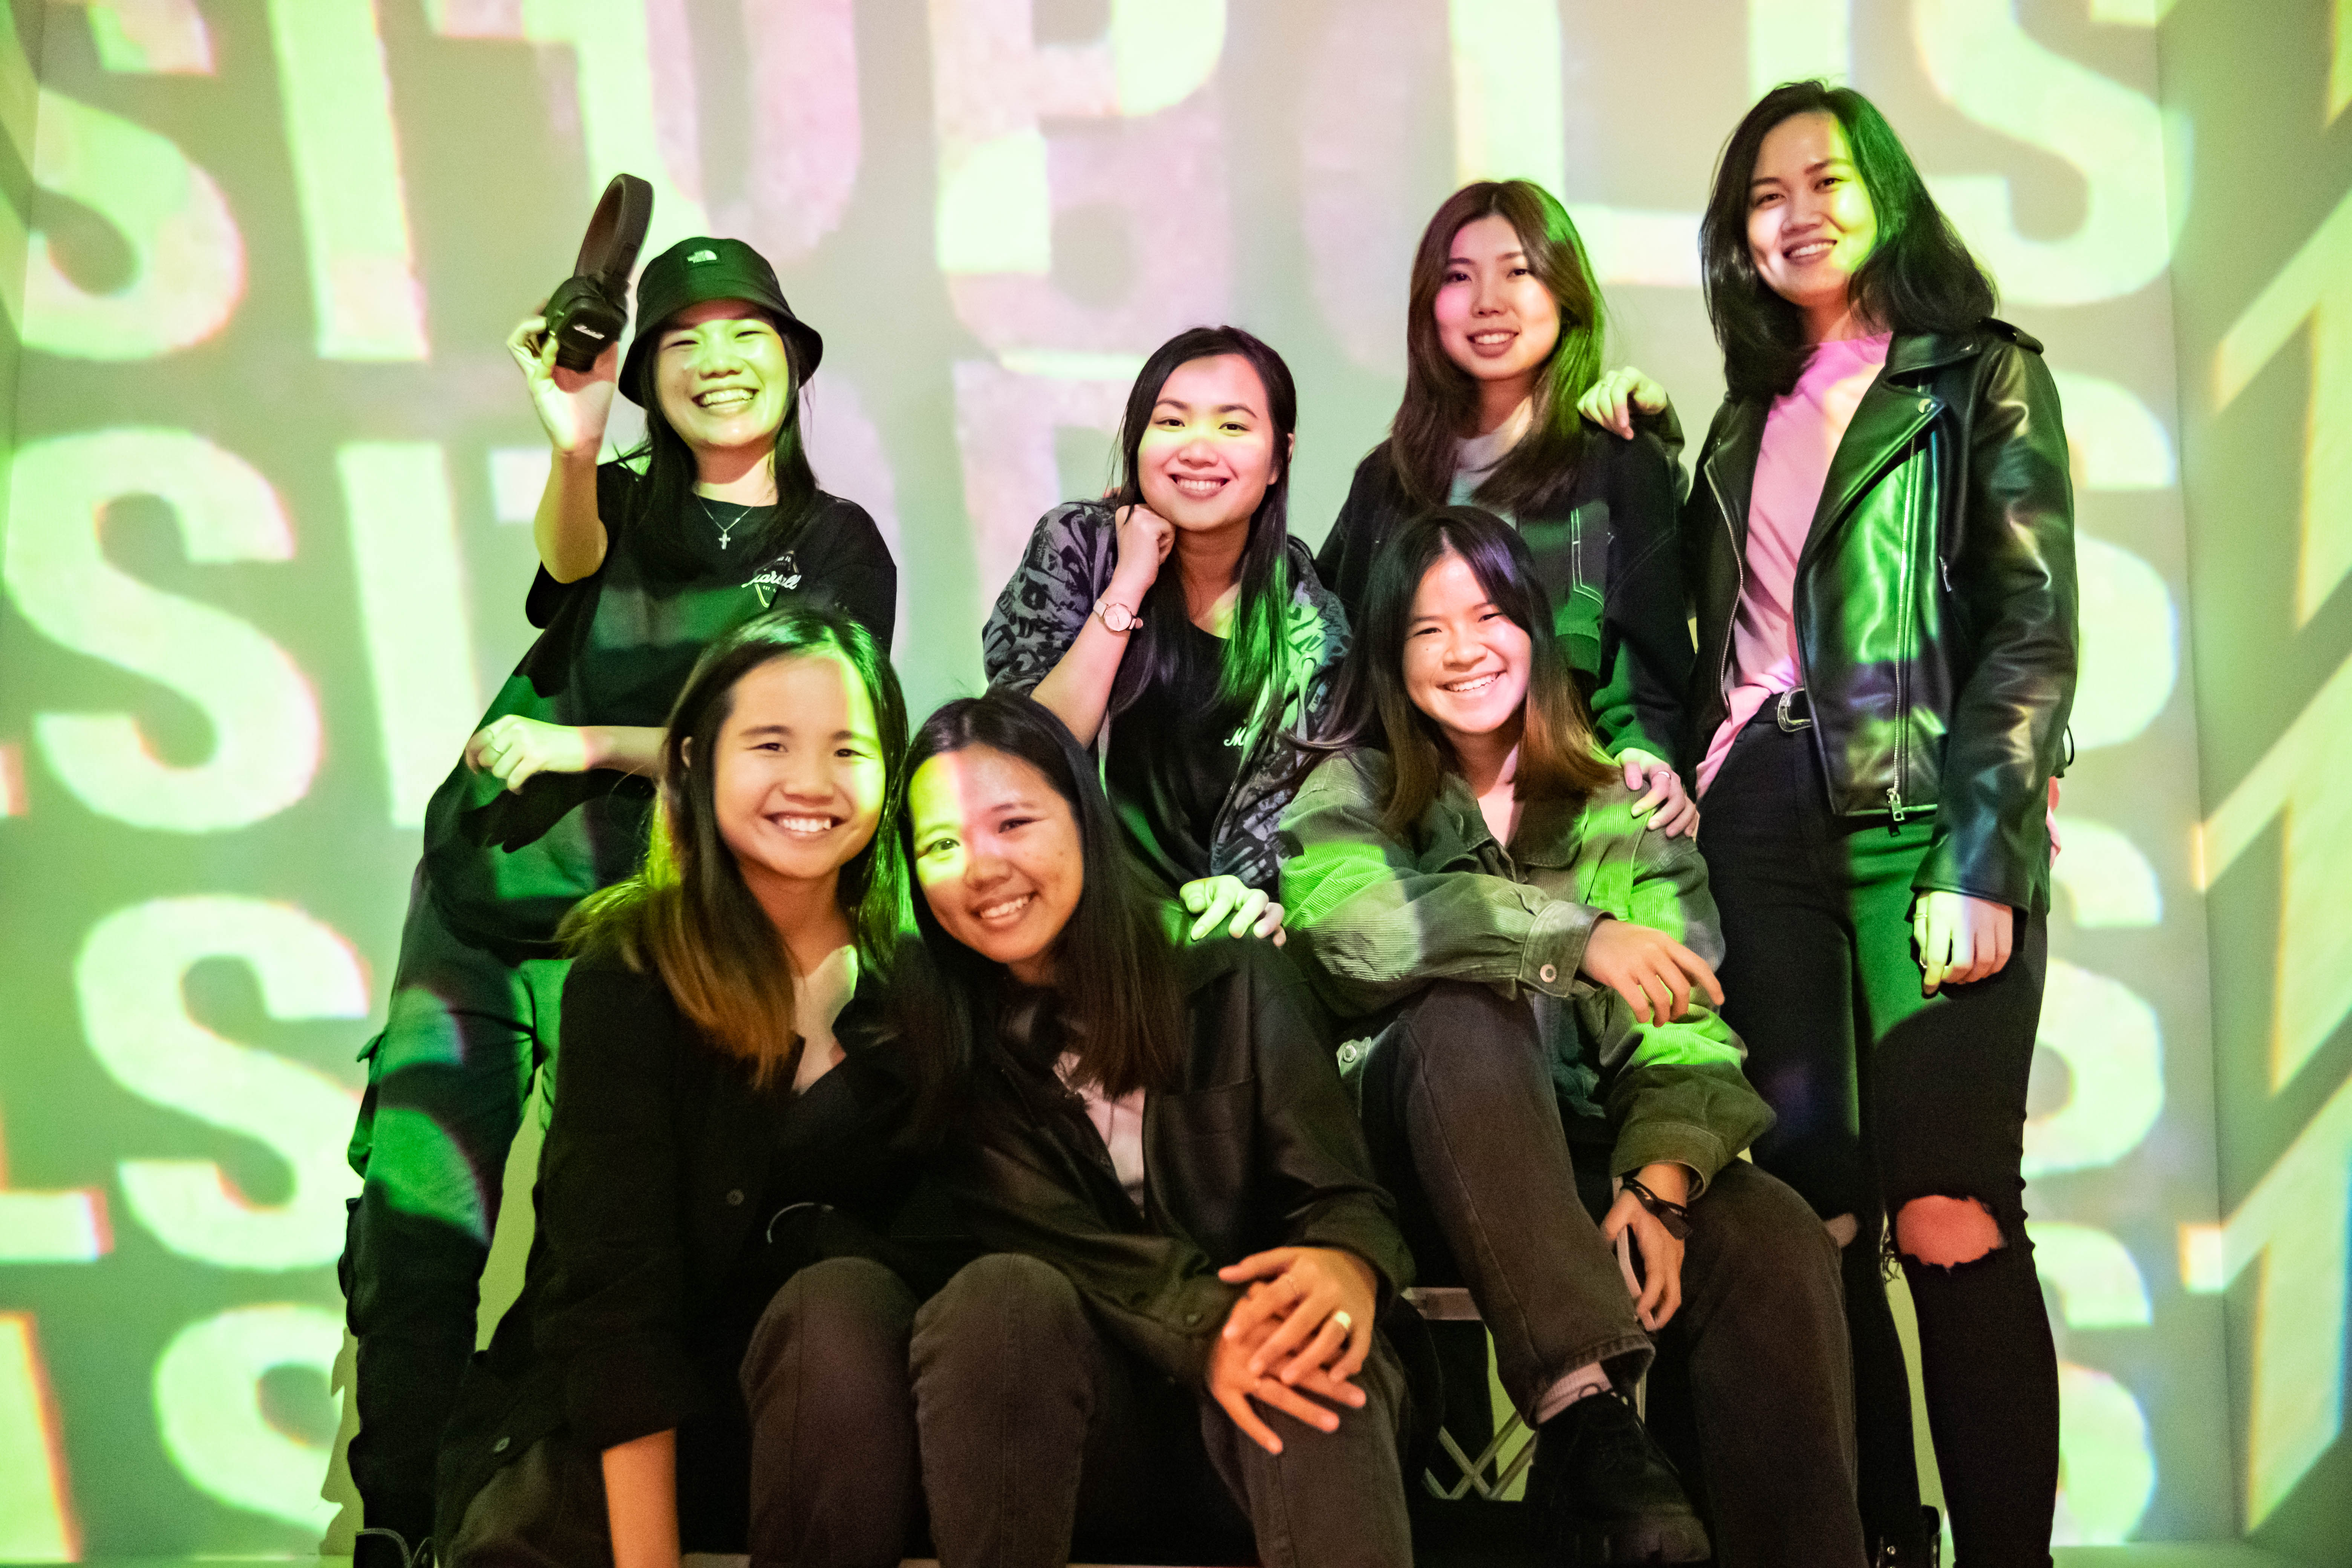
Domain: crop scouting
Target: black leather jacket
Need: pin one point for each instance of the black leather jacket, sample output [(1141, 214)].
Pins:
[(1934, 600), (1258, 1148)]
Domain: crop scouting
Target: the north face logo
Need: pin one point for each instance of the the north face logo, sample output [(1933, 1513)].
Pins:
[(703, 255)]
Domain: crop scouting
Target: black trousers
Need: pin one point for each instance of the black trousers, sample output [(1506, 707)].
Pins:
[(1885, 1095), (1751, 1390), (1039, 1432), (832, 1473), (448, 1081)]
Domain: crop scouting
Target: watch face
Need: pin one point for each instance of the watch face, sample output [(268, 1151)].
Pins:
[(1117, 618)]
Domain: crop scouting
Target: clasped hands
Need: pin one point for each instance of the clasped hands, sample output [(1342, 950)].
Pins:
[(1304, 1327)]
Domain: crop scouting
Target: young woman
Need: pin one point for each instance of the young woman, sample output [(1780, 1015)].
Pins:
[(1882, 545), (705, 1320), (1503, 335), (1531, 954), (1178, 629), (1193, 1258), (642, 563)]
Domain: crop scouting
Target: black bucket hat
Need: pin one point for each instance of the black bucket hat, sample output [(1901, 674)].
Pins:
[(700, 268)]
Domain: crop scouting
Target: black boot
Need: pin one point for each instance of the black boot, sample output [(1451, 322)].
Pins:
[(1602, 1492)]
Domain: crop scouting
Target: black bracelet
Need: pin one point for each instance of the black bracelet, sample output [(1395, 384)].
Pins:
[(1675, 1217)]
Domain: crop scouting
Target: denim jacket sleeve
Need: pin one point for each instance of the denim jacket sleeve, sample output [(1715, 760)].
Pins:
[(1675, 1091), (1047, 599), (1372, 921)]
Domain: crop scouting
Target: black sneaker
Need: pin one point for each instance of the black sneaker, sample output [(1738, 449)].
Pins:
[(1923, 1549), (1603, 1493)]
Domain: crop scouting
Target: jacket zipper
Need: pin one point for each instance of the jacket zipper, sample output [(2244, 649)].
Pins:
[(1902, 607), (1739, 582)]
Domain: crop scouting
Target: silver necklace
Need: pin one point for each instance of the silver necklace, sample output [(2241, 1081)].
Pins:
[(726, 529)]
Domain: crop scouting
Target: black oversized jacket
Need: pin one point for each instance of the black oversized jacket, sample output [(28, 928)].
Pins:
[(1934, 600), (1257, 1147), (1605, 546), (651, 1261)]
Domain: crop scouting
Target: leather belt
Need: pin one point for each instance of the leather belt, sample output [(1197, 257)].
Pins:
[(1794, 711)]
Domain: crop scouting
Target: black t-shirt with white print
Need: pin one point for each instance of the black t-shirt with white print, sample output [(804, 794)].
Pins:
[(615, 647)]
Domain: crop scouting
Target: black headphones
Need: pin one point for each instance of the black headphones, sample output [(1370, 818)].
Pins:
[(588, 311)]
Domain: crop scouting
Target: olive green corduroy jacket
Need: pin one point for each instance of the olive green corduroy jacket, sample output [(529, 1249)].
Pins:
[(1373, 918)]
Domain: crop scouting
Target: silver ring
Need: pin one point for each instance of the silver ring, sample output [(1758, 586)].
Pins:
[(1347, 1324)]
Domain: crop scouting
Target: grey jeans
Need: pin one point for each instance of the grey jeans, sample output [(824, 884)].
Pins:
[(1039, 1432), (1752, 1391)]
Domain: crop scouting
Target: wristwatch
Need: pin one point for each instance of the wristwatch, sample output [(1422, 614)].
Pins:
[(1115, 616)]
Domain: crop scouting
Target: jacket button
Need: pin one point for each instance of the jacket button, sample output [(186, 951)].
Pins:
[(1547, 973), (735, 1197), (1348, 1054), (501, 1446)]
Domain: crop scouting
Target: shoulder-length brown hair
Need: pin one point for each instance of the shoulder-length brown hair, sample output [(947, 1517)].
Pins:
[(1919, 279), (1441, 398), (686, 915), (1558, 758)]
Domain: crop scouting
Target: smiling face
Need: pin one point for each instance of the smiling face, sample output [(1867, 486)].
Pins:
[(1810, 222), (1207, 457), (797, 774), (722, 377), (998, 854), (1495, 319), (1466, 662)]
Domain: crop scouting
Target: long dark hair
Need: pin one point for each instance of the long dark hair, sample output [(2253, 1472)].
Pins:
[(1558, 758), (686, 915), (1919, 278), (666, 503), (1441, 398), (1253, 661), (1114, 972)]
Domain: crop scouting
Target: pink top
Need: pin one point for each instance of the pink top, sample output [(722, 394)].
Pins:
[(1800, 436)]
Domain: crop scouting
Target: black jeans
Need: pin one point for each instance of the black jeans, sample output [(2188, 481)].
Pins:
[(1750, 1391), (447, 1080), (1885, 1096), (1039, 1432), (833, 1447), (833, 1419)]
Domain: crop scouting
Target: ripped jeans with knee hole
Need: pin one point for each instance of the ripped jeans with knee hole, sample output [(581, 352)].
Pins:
[(1885, 1097)]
